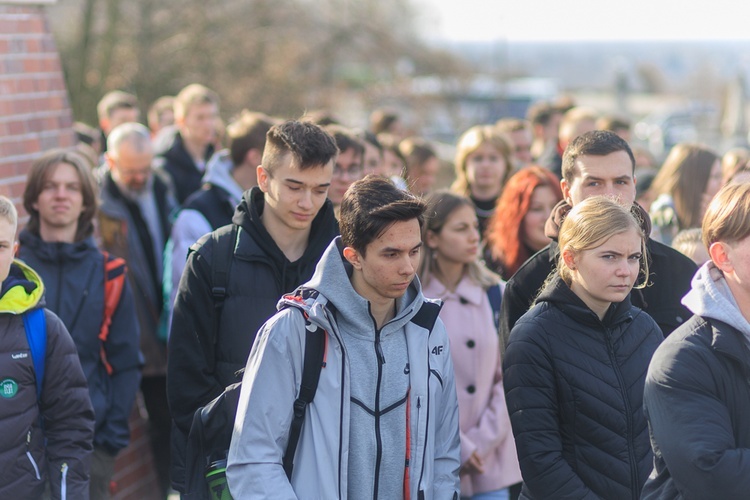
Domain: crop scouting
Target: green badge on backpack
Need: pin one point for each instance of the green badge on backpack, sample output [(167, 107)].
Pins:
[(9, 388)]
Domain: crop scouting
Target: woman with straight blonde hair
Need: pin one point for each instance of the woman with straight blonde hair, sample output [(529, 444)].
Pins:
[(576, 363), (471, 294), (484, 162)]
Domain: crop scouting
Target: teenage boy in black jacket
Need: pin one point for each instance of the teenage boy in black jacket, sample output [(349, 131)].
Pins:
[(281, 229)]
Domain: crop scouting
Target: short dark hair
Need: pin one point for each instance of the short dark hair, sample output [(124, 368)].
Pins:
[(247, 132), (309, 145), (41, 169), (346, 139), (541, 112), (370, 206), (594, 143)]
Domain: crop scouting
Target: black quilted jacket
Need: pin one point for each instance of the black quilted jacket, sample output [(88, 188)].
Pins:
[(574, 389)]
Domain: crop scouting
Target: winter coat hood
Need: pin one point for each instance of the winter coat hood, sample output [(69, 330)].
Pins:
[(248, 214), (219, 173), (22, 290), (710, 297), (332, 281)]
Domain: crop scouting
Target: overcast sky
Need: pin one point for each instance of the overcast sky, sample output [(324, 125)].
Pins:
[(569, 20)]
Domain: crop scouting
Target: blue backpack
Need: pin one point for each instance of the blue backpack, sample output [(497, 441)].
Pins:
[(35, 325)]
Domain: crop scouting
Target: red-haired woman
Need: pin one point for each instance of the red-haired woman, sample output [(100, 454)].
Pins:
[(516, 230)]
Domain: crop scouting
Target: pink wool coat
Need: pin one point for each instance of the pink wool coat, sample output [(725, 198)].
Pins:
[(483, 417)]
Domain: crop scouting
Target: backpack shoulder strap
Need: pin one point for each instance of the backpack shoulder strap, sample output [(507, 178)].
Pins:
[(224, 244), (313, 364), (495, 296), (115, 270), (35, 325)]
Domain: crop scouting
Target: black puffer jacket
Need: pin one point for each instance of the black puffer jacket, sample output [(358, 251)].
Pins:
[(574, 388), (669, 280), (259, 275), (60, 452)]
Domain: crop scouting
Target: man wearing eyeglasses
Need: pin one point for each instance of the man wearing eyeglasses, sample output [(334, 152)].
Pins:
[(278, 234), (134, 224), (349, 165)]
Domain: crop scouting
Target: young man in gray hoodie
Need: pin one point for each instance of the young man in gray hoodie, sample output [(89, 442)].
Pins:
[(384, 421), (696, 397)]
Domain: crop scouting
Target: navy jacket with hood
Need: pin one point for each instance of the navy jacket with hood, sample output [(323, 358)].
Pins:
[(73, 275)]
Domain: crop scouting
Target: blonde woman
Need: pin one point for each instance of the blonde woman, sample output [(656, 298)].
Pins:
[(451, 271), (576, 363), (484, 162)]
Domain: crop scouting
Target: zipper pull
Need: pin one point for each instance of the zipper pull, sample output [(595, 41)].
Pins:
[(28, 439)]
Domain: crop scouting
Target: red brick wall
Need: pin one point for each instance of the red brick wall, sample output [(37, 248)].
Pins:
[(35, 116), (34, 110)]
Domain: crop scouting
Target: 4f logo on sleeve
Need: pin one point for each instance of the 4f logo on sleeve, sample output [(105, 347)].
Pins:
[(437, 350)]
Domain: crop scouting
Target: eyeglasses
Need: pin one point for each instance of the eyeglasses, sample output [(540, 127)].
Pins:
[(354, 170)]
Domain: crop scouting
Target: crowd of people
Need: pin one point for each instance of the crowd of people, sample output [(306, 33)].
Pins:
[(544, 326)]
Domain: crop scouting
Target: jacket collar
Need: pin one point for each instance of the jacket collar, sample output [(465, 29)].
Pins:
[(559, 293), (55, 251)]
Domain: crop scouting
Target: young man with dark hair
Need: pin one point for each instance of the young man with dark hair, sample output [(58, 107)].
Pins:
[(278, 233), (384, 420), (61, 200), (349, 163), (696, 396), (601, 163)]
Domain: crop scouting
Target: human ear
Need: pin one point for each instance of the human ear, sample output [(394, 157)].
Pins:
[(565, 187), (431, 239), (262, 175), (569, 258), (719, 253), (352, 256)]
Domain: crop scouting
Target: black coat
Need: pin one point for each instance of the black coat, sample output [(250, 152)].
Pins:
[(259, 275), (697, 400), (670, 275), (574, 389), (177, 163)]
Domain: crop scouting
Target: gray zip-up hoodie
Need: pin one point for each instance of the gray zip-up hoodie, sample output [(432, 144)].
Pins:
[(710, 297), (353, 442)]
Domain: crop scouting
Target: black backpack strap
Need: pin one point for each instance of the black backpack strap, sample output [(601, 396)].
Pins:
[(313, 364), (495, 297), (221, 262)]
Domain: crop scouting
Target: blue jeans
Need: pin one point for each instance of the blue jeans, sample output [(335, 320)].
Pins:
[(490, 495)]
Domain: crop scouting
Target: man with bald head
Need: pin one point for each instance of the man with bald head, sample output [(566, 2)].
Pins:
[(601, 163), (134, 224)]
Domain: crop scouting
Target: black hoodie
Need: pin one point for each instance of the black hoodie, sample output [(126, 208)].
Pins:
[(259, 275), (670, 273)]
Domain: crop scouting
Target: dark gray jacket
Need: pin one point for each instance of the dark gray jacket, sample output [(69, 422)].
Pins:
[(28, 462)]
